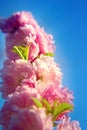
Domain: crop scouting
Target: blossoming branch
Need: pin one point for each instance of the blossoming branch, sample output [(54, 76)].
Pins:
[(35, 98)]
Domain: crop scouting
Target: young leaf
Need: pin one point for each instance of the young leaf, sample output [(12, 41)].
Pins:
[(37, 102), (61, 108), (55, 104), (21, 51), (26, 52), (46, 104), (49, 54), (18, 51)]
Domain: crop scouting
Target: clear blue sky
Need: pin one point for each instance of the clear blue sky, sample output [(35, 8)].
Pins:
[(67, 21)]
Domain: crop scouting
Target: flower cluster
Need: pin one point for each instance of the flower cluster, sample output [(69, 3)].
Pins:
[(35, 98)]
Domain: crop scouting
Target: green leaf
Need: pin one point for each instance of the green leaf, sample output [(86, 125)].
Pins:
[(21, 51), (49, 54), (46, 104), (37, 102), (55, 104), (60, 109)]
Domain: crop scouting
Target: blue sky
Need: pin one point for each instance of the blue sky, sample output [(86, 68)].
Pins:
[(67, 21)]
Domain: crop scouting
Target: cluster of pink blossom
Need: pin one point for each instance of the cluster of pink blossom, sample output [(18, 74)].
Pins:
[(31, 85)]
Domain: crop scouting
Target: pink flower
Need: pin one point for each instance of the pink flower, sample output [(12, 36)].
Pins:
[(15, 103), (25, 36), (13, 73), (30, 119), (36, 77), (47, 72), (66, 124), (42, 73), (18, 19), (61, 94), (20, 113), (46, 43), (22, 29), (38, 41)]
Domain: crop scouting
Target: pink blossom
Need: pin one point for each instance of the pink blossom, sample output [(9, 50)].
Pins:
[(13, 73), (38, 41), (19, 112), (15, 103), (42, 73), (37, 77), (45, 41), (61, 94), (53, 93), (18, 19), (30, 119), (24, 36), (48, 73), (22, 30), (66, 124)]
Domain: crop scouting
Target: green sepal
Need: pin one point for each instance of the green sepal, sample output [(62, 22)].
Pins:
[(60, 109), (37, 102), (22, 51)]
